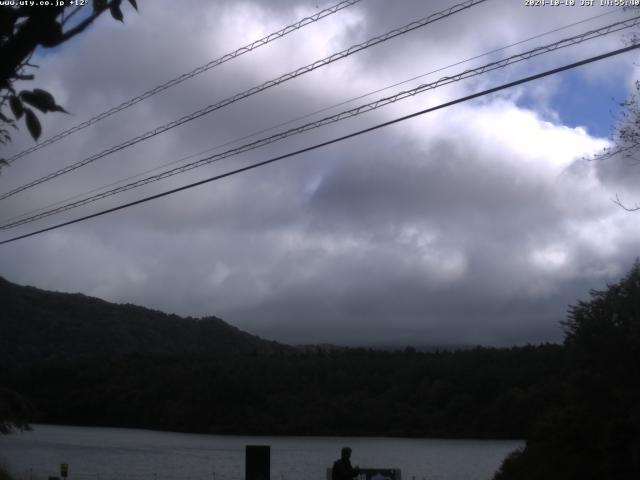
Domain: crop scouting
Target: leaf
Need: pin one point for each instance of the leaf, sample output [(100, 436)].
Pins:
[(16, 106), (134, 4), (40, 99), (50, 34), (116, 12), (33, 124), (7, 21), (99, 5)]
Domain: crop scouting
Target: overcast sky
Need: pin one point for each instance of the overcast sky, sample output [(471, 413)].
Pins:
[(476, 224)]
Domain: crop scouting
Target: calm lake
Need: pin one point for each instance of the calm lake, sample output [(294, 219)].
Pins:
[(124, 454)]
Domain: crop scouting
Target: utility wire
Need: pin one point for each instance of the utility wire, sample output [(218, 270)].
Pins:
[(332, 141), (252, 91), (196, 71), (308, 115), (575, 40)]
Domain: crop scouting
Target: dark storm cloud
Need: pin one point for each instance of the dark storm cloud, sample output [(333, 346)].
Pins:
[(477, 224)]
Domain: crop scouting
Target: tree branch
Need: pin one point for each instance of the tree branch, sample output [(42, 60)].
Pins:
[(68, 17), (84, 24), (618, 202)]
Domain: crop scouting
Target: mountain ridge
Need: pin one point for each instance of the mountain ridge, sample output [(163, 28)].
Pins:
[(37, 325)]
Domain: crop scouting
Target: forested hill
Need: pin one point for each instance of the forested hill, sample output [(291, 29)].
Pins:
[(80, 360), (37, 325), (578, 404)]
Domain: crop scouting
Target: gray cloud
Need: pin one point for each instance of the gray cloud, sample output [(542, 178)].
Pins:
[(477, 224)]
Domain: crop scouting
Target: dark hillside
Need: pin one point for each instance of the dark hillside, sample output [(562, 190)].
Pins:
[(37, 325), (81, 360)]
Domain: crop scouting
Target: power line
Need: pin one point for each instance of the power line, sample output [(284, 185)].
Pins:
[(308, 115), (575, 40), (185, 76), (252, 91), (332, 141)]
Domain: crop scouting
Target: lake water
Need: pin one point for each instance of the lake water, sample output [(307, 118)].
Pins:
[(125, 454)]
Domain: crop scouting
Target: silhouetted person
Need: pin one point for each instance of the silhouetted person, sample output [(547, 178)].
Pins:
[(342, 469)]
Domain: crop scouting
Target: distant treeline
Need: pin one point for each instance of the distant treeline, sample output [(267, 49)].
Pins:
[(83, 361), (474, 393)]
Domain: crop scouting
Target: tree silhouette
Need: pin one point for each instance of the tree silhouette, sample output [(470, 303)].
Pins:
[(22, 30), (627, 135), (594, 433), (15, 411)]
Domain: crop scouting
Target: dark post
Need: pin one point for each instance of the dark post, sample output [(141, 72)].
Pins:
[(257, 462)]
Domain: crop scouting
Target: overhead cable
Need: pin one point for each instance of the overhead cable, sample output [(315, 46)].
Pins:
[(307, 115), (185, 76), (332, 141), (252, 91), (575, 40)]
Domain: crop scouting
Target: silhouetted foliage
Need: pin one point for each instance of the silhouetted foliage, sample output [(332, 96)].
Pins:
[(626, 138), (82, 360), (577, 403), (23, 28), (594, 432), (15, 411), (36, 325), (490, 393), (5, 473)]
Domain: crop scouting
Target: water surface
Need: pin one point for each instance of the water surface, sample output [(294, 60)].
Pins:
[(126, 454)]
